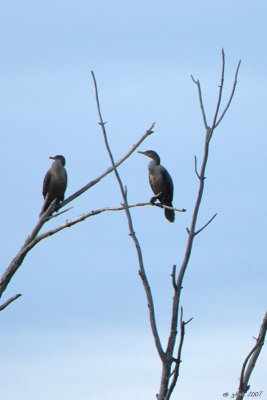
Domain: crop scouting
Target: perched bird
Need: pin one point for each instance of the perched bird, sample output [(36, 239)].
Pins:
[(55, 182), (160, 182)]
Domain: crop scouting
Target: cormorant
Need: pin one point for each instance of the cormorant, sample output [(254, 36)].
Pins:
[(55, 182), (160, 182)]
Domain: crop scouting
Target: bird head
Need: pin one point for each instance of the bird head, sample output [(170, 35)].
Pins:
[(60, 158), (151, 154)]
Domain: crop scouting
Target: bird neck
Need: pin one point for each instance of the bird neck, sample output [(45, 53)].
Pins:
[(152, 166), (155, 159), (57, 164)]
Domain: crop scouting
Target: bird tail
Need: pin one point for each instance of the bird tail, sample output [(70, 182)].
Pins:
[(169, 214), (45, 206)]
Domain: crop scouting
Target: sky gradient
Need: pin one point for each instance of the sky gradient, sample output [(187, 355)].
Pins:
[(81, 329)]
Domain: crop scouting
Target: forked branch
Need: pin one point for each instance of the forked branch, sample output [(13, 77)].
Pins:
[(167, 386)]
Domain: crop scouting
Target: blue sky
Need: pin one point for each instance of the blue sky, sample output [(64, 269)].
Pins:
[(81, 327)]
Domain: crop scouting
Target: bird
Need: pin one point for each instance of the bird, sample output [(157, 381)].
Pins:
[(55, 182), (161, 183)]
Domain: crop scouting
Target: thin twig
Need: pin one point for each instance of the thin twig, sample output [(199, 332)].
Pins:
[(231, 96), (204, 226), (132, 232), (9, 301), (197, 174), (148, 132), (178, 360), (220, 92), (59, 213), (201, 101)]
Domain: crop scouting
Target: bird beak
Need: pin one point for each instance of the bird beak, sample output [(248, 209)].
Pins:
[(141, 152), (52, 158)]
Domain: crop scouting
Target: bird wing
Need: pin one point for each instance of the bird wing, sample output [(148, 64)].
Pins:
[(167, 183), (46, 182)]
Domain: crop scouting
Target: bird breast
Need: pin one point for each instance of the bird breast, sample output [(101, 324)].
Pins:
[(155, 177)]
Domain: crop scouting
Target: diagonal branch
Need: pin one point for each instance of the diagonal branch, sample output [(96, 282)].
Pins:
[(148, 132), (27, 246), (196, 81), (142, 271), (9, 301), (204, 226)]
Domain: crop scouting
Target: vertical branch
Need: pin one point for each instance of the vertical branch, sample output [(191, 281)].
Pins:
[(167, 387), (178, 360), (251, 360), (142, 271), (220, 91)]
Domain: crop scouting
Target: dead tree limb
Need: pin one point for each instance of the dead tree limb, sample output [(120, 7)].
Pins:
[(250, 361), (9, 301), (166, 386)]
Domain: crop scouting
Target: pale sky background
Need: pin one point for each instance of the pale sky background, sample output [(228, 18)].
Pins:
[(80, 330)]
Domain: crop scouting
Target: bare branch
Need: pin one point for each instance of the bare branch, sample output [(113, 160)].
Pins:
[(231, 96), (9, 301), (142, 271), (220, 92), (33, 238), (173, 275), (182, 210), (166, 386), (201, 102), (178, 360), (204, 226), (85, 216), (59, 213), (251, 360), (197, 174), (148, 132)]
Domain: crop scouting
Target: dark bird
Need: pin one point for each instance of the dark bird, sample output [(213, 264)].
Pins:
[(55, 183), (161, 183)]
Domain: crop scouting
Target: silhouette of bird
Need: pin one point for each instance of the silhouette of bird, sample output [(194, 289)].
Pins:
[(160, 182), (55, 182)]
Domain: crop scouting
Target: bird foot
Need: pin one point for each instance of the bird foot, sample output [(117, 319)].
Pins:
[(153, 200)]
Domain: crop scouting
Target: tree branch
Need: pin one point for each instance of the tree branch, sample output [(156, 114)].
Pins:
[(132, 232), (201, 102), (251, 360), (9, 301), (220, 91), (231, 96), (165, 384), (173, 275), (176, 371), (148, 132), (204, 226)]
